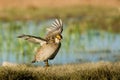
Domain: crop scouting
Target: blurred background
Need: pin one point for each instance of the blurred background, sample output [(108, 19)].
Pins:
[(91, 29)]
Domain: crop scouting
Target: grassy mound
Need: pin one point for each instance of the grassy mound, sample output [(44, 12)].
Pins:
[(84, 71)]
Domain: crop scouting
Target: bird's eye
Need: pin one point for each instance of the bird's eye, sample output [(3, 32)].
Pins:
[(59, 36)]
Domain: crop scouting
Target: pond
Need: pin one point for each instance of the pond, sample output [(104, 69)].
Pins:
[(77, 47)]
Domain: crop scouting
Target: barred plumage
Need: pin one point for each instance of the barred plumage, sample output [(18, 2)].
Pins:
[(50, 45), (56, 28)]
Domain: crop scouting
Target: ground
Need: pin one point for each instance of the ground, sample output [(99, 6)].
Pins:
[(84, 71)]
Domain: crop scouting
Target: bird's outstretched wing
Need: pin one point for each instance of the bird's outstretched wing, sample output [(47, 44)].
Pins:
[(33, 39), (56, 28)]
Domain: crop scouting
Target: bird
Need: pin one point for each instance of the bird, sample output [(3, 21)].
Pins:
[(49, 45)]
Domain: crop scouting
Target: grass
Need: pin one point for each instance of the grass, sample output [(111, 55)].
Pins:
[(56, 3), (34, 13), (107, 23), (84, 71), (88, 16)]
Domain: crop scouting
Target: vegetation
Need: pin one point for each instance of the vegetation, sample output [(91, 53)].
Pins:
[(85, 17), (84, 71), (88, 19), (87, 14), (33, 13), (102, 22)]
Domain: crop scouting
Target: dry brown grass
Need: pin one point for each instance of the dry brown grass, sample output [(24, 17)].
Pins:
[(85, 71), (57, 3), (42, 9)]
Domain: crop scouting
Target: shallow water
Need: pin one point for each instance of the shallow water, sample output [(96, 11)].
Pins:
[(88, 46)]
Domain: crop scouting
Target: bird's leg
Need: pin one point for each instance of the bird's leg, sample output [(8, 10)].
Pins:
[(46, 63)]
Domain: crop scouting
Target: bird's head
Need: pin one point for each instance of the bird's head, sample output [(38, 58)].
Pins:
[(58, 38)]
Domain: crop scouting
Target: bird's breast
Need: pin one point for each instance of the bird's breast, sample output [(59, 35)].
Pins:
[(47, 49)]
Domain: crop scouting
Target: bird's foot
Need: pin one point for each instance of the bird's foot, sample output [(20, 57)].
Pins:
[(33, 61), (46, 64)]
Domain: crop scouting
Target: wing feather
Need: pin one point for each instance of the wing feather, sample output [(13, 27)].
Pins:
[(56, 28), (33, 39)]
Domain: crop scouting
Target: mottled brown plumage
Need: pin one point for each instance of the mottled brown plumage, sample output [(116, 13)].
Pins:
[(50, 45)]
